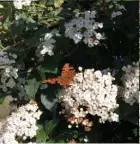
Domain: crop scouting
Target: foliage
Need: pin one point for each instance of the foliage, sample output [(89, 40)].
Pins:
[(31, 88), (36, 34)]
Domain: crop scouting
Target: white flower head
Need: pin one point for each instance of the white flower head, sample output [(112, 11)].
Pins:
[(18, 4), (95, 90), (8, 71), (47, 45), (130, 79), (98, 36), (83, 28), (21, 124), (115, 14)]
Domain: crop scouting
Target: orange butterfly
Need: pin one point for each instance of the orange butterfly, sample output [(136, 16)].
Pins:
[(66, 77)]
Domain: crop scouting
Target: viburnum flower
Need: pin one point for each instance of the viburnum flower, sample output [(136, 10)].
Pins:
[(8, 71), (115, 7), (94, 90), (21, 124), (83, 28), (20, 3), (130, 79), (47, 45)]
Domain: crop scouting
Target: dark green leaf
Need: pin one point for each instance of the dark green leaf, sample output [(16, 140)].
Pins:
[(41, 135), (127, 109), (65, 134), (129, 113), (61, 141), (49, 126), (49, 104), (135, 132), (31, 87), (7, 14), (17, 28), (2, 98), (48, 70), (50, 2), (132, 118), (51, 141), (30, 24)]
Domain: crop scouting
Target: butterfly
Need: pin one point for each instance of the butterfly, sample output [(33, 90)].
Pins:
[(66, 77)]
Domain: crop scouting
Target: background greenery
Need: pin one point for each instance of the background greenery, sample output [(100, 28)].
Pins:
[(21, 32)]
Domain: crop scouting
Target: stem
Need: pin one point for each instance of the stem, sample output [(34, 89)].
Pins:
[(2, 47)]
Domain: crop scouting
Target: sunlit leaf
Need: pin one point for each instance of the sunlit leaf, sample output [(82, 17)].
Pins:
[(41, 135), (58, 3)]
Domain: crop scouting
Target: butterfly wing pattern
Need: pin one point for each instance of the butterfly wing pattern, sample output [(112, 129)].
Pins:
[(66, 77)]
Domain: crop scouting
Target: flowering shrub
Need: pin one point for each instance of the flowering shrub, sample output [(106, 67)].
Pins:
[(91, 89), (85, 27), (77, 60), (131, 80), (21, 124), (8, 72)]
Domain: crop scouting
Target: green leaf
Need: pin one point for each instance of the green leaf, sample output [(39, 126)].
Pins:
[(43, 2), (39, 127), (2, 98), (49, 104), (61, 141), (132, 118), (51, 141), (50, 2), (49, 126), (30, 24), (41, 135), (129, 113), (50, 69), (31, 87), (62, 135), (135, 132), (17, 28), (34, 39), (58, 3), (7, 14), (126, 109)]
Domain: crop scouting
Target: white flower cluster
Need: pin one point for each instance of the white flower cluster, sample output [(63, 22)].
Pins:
[(131, 83), (21, 124), (84, 28), (112, 5), (119, 9), (18, 4), (8, 73), (93, 90), (47, 46)]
